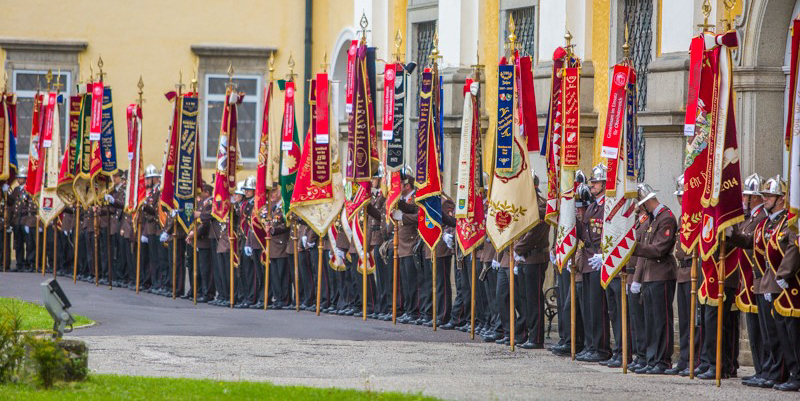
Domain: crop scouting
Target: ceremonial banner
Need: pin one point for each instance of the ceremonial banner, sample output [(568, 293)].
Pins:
[(320, 149), (619, 235), (96, 124), (512, 197), (69, 166), (395, 184), (86, 162), (571, 118), (227, 159), (263, 179), (527, 102), (551, 143), (745, 297), (394, 149), (8, 137), (793, 127), (470, 217), (362, 151), (108, 147), (708, 293), (389, 74), (37, 121), (336, 263), (428, 182), (351, 76), (135, 191), (50, 204), (288, 131), (290, 159), (566, 231), (171, 153), (188, 174)]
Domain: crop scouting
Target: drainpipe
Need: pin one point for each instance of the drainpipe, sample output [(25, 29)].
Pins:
[(307, 66)]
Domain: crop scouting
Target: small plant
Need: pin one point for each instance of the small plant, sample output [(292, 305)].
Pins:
[(49, 360), (12, 344)]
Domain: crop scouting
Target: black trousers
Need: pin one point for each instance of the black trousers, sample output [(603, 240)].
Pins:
[(503, 303), (638, 331), (222, 276), (6, 247), (772, 362), (490, 285), (155, 259), (357, 286), (480, 298), (531, 279), (390, 281), (308, 283), (462, 302), (595, 312), (408, 276), (444, 299), (178, 249), (684, 297), (23, 246), (258, 277), (127, 250), (65, 253), (205, 268), (29, 254), (788, 330), (279, 281), (730, 333), (563, 305), (323, 275), (614, 302), (342, 288), (659, 321), (246, 274)]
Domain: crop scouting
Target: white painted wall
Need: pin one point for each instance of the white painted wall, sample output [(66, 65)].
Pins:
[(677, 28), (555, 17)]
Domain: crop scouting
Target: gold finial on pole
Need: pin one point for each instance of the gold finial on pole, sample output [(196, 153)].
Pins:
[(193, 84), (626, 47), (435, 51), (271, 66), (230, 75), (512, 36), (291, 75), (364, 23), (100, 67), (49, 78), (398, 41), (706, 12), (728, 20), (57, 85), (5, 81), (477, 67), (324, 64), (91, 73), (179, 86), (140, 85)]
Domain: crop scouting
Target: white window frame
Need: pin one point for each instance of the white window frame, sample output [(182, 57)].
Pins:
[(64, 90), (217, 97)]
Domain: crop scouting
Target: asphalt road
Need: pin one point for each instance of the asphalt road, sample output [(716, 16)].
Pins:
[(149, 335)]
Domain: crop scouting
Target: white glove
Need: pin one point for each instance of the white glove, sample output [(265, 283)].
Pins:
[(8, 230), (495, 264), (636, 287), (768, 297), (163, 237), (27, 230), (144, 239), (518, 258), (516, 272), (5, 187), (596, 261), (569, 265), (303, 240), (66, 233), (248, 251), (339, 254), (41, 229), (174, 212), (311, 244), (397, 215), (728, 231), (109, 199), (552, 257), (782, 283), (448, 240)]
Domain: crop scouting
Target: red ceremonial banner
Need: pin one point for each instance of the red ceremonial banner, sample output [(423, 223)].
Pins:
[(322, 120), (527, 103), (616, 112), (37, 122), (351, 76), (288, 117), (696, 52), (572, 118), (320, 152), (553, 139), (47, 137), (261, 195), (389, 74), (168, 181), (96, 122)]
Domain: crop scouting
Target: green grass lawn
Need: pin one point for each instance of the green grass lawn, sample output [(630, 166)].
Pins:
[(107, 387), (35, 316)]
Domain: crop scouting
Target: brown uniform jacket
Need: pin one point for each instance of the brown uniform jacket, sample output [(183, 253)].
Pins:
[(408, 235), (204, 231), (654, 250), (775, 227), (279, 240), (590, 231), (534, 245), (22, 208), (151, 224), (116, 209), (742, 236)]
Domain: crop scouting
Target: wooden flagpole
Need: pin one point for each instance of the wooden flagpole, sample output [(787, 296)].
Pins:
[(720, 307), (44, 250), (194, 261), (512, 315), (76, 239), (572, 307), (138, 232), (395, 259), (36, 236), (433, 285), (5, 230), (55, 250), (364, 276), (175, 252), (319, 272), (623, 283), (94, 237), (693, 314)]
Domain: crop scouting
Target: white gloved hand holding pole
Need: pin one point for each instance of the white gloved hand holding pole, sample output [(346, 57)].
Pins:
[(782, 283), (163, 237), (596, 261), (768, 297), (636, 288), (144, 239), (397, 215), (109, 199), (248, 251)]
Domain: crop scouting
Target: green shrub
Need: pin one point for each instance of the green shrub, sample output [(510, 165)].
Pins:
[(77, 363), (48, 359), (12, 344)]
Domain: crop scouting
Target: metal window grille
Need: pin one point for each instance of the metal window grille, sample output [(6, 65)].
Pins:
[(639, 18), (26, 83), (525, 21), (425, 33), (248, 123)]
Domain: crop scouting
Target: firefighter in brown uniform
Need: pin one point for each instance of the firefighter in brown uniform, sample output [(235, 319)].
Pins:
[(65, 250), (127, 249), (777, 257), (206, 255), (742, 236), (407, 241), (247, 265), (151, 226), (173, 237), (638, 338), (279, 280), (655, 279), (590, 231), (5, 218), (683, 293), (23, 219), (115, 206), (344, 295), (378, 235)]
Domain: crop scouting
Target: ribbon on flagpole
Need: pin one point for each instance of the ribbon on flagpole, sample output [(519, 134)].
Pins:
[(320, 149), (389, 77), (469, 213), (571, 118), (135, 191), (50, 204), (37, 121), (187, 165), (551, 147), (263, 179), (82, 185), (527, 101), (108, 146), (793, 127), (227, 159), (290, 159), (351, 76), (8, 137), (171, 155), (395, 147), (362, 156)]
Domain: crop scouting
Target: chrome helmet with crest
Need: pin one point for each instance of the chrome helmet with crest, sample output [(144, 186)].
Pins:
[(645, 192), (774, 186), (599, 173), (752, 184), (679, 186)]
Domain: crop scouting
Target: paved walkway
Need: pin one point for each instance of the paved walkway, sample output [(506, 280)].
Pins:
[(156, 336)]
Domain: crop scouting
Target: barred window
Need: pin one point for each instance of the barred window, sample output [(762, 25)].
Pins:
[(639, 18), (425, 33), (26, 83), (525, 22), (248, 122)]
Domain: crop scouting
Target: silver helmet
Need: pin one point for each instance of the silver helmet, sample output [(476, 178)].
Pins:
[(239, 188), (151, 171), (580, 177), (250, 183), (599, 173), (380, 172), (752, 184), (583, 197), (485, 181), (774, 186), (22, 173), (645, 193), (679, 186)]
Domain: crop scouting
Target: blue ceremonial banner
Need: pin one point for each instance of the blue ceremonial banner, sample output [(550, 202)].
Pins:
[(108, 148), (422, 130), (505, 118), (185, 166), (440, 123)]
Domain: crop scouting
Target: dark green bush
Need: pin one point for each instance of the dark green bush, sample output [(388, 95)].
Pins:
[(48, 359)]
